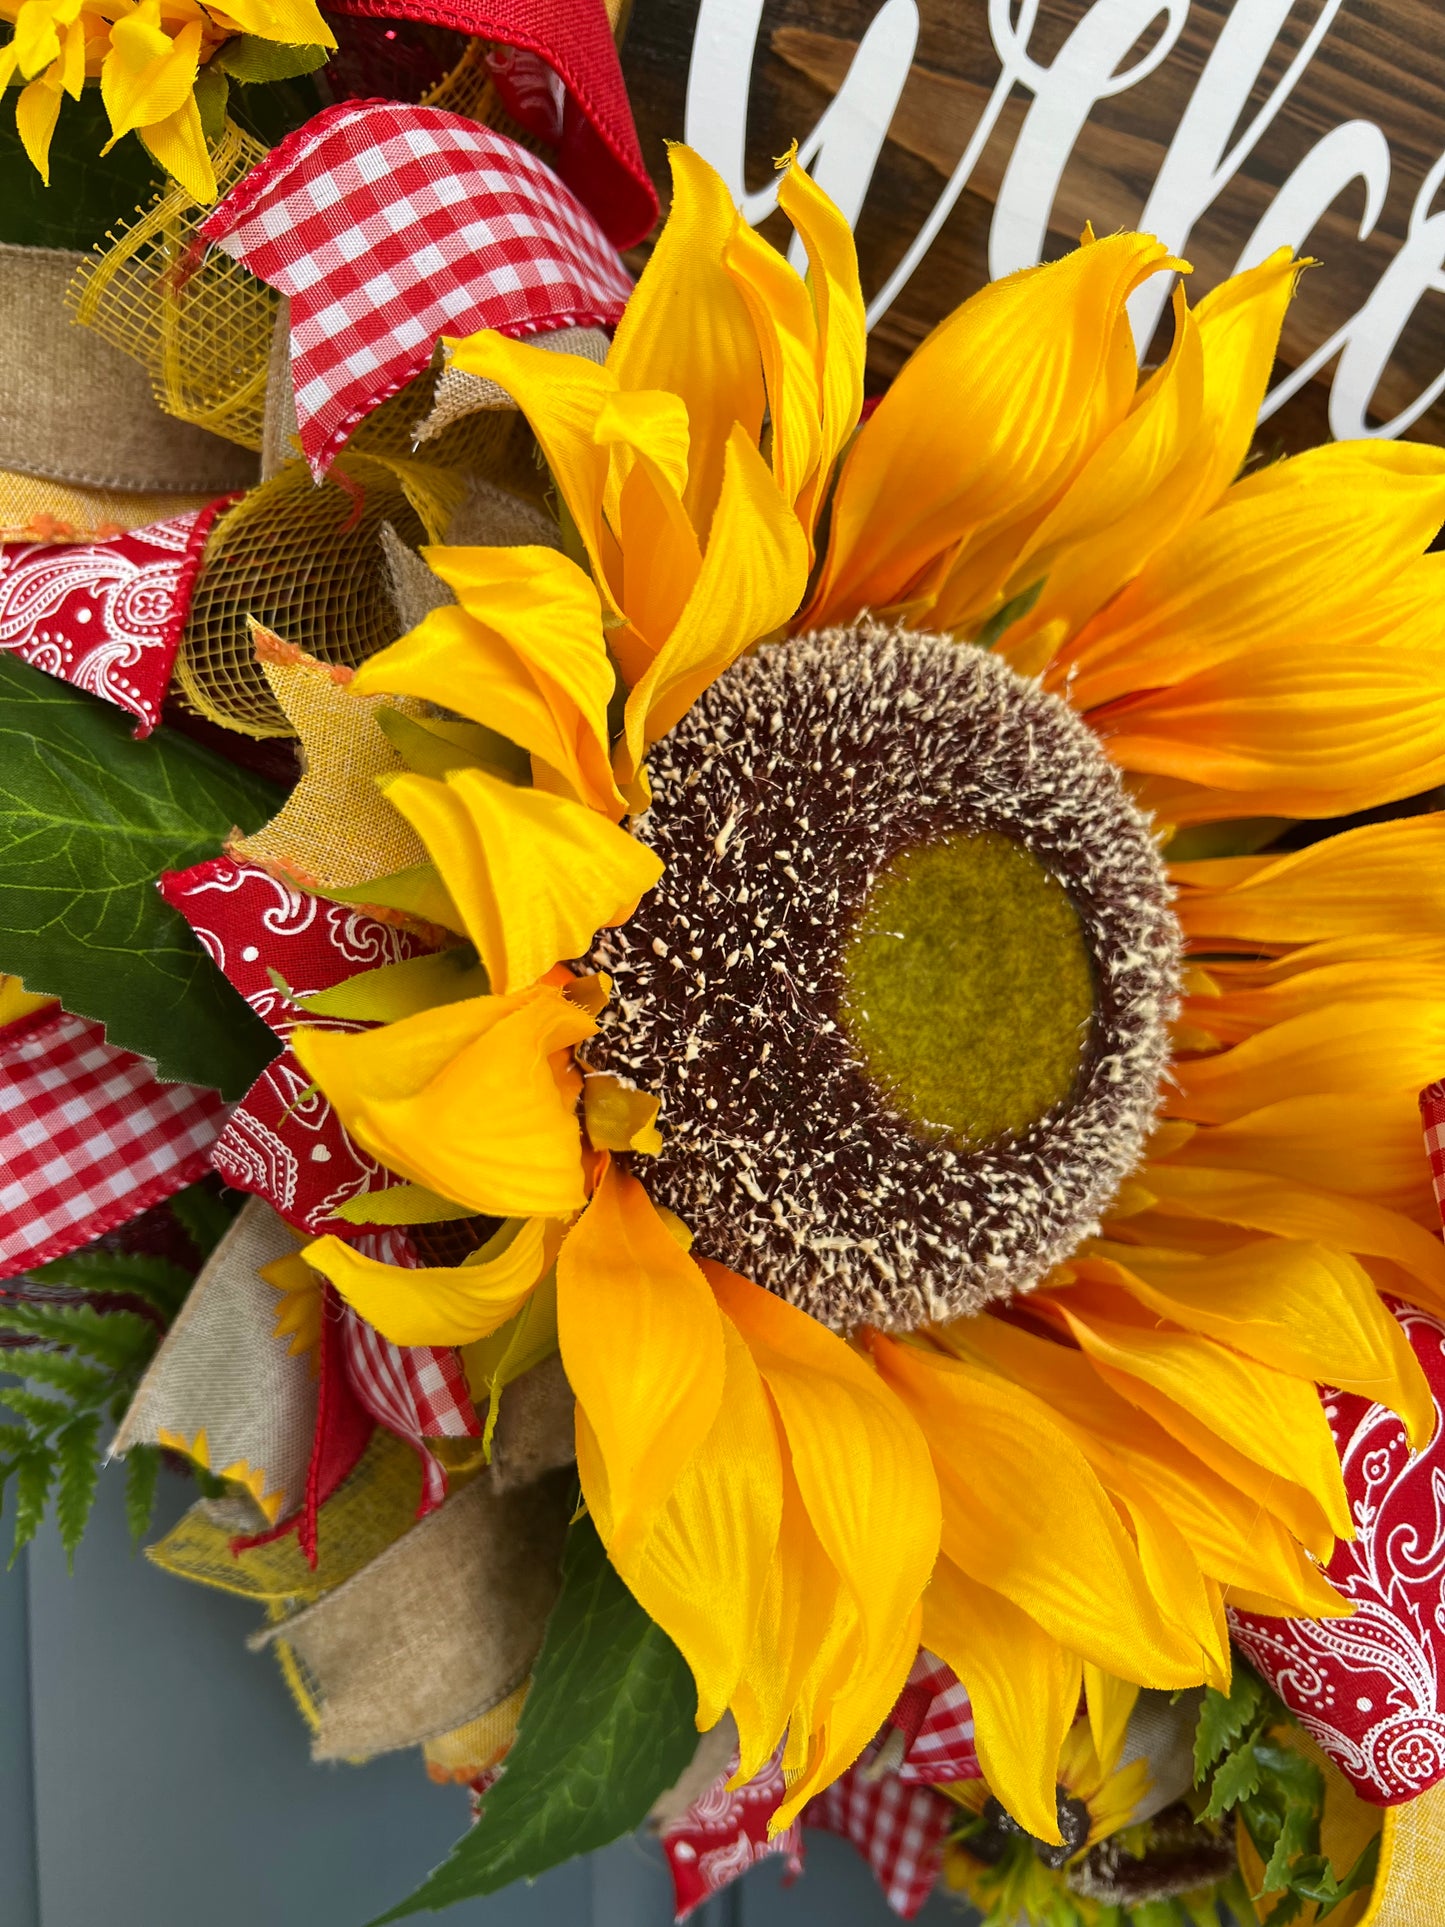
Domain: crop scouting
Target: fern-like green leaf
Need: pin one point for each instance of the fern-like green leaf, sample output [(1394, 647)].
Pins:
[(142, 1467), (34, 1471), (88, 1387), (121, 1339), (134, 1274), (77, 1452), (41, 1414)]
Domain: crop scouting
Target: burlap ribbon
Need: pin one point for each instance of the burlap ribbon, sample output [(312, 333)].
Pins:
[(439, 1629), (224, 1388), (75, 409)]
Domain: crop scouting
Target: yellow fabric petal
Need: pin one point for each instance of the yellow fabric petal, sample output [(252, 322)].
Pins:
[(524, 654), (1234, 1541), (841, 1706), (787, 331), (842, 325), (534, 876), (686, 330), (562, 397), (658, 553), (752, 579), (619, 1118), (1373, 1046), (1302, 1308), (1022, 1684), (702, 1569), (36, 111), (1259, 1203), (643, 1347), (1265, 1415), (860, 1461), (449, 1305), (1361, 1144), (984, 424), (147, 76), (1385, 879), (294, 23), (474, 1100), (1299, 549), (1110, 1703), (1067, 1560)]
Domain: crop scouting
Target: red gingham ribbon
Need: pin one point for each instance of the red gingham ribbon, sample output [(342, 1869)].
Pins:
[(89, 1138), (556, 67), (419, 1392), (899, 1830), (389, 226), (1432, 1119)]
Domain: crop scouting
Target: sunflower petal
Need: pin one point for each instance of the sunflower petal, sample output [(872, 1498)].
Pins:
[(36, 112), (686, 329), (147, 77), (751, 581), (1110, 1703), (643, 1347), (860, 1461), (787, 331), (1300, 1307), (468, 1099), (534, 876), (702, 1570), (984, 424), (1069, 1564), (448, 1305), (1022, 1684), (1297, 549), (1266, 1415), (524, 654)]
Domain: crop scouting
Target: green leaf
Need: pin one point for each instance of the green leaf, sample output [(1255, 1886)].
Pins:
[(1360, 1877), (77, 1450), (607, 1726), (119, 1339), (1235, 1779), (1224, 1716), (33, 1473), (418, 890), (88, 820), (1011, 612), (137, 1274), (249, 58), (41, 1415), (142, 1467), (211, 91), (395, 990), (87, 195), (86, 1386), (205, 1216), (432, 748)]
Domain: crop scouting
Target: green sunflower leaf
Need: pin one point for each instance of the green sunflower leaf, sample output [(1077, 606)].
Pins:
[(249, 58), (608, 1725), (88, 820)]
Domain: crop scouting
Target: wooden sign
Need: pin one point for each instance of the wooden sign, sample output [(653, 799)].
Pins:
[(965, 138)]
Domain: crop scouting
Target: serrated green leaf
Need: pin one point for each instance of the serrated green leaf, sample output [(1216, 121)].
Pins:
[(1289, 1907), (1235, 1779), (249, 59), (607, 1726), (142, 1468), (77, 1452), (86, 1386), (1224, 1716), (89, 818), (132, 1273), (41, 1415), (119, 1339), (1359, 1879), (34, 1471)]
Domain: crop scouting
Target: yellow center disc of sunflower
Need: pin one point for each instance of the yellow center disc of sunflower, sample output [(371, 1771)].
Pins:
[(968, 988)]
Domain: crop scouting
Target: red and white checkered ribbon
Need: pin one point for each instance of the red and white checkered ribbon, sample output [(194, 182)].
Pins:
[(935, 1716), (419, 1392), (1432, 1118), (89, 1138), (899, 1830), (389, 226)]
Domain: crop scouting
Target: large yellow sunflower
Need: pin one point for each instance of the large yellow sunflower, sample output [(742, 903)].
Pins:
[(832, 966)]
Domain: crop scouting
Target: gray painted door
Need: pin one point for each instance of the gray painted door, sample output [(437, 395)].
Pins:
[(153, 1773)]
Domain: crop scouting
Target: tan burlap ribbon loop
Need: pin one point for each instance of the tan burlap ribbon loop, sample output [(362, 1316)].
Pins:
[(73, 408), (443, 1626)]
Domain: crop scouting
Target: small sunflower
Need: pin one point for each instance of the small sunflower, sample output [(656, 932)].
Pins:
[(952, 1205)]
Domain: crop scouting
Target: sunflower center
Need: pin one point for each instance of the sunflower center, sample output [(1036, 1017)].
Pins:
[(968, 988), (904, 988)]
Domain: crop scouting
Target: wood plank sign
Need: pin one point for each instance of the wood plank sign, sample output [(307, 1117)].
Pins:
[(966, 138)]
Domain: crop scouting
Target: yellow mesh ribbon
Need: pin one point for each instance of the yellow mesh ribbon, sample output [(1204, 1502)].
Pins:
[(367, 1513), (202, 329), (462, 1754)]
